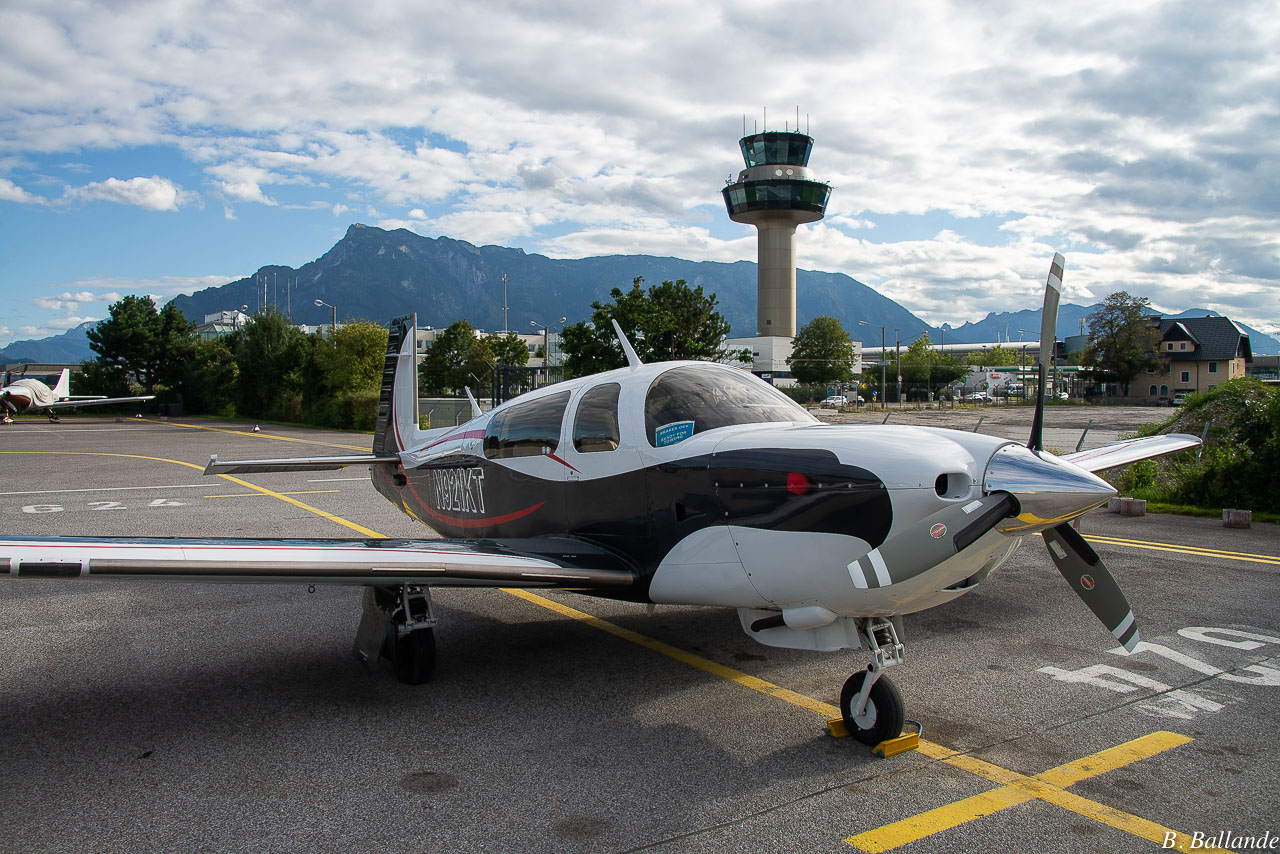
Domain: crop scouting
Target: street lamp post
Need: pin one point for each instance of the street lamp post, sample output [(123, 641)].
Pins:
[(546, 346), (882, 360), (897, 349), (505, 328), (1022, 378), (333, 329)]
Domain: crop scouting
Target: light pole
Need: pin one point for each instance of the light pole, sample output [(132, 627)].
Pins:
[(1022, 378), (882, 359), (504, 304), (333, 329), (897, 350), (546, 346)]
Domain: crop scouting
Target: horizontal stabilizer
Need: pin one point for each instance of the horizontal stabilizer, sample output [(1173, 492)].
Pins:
[(1130, 451), (94, 401), (217, 466)]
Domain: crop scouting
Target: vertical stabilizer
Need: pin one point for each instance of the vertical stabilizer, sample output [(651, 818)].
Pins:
[(397, 425), (63, 388)]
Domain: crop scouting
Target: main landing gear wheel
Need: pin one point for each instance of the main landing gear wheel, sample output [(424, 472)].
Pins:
[(883, 717), (414, 656)]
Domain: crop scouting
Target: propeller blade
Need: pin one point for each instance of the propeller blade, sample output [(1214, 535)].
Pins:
[(929, 542), (1092, 581), (1048, 337)]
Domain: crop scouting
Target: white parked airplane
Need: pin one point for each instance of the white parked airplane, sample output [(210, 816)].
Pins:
[(680, 482), (24, 394)]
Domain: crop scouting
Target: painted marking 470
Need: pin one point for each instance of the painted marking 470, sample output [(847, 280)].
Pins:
[(1185, 703)]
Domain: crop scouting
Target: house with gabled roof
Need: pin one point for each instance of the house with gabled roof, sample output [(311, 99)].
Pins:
[(1197, 354)]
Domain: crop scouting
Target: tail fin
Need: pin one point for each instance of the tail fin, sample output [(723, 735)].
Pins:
[(397, 425), (63, 388)]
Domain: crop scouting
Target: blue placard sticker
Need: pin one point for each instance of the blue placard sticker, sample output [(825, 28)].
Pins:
[(670, 434)]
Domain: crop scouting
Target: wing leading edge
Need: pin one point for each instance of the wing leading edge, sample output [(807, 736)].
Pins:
[(1131, 451), (465, 563)]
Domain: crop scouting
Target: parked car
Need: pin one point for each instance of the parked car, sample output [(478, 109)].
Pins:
[(980, 396), (1179, 399), (1062, 395), (836, 401)]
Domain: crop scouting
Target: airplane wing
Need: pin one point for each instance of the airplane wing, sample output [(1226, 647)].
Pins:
[(96, 401), (1130, 451), (542, 562)]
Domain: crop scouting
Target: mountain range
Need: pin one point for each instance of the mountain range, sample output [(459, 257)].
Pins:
[(376, 274)]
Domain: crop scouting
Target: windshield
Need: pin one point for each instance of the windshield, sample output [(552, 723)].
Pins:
[(695, 398)]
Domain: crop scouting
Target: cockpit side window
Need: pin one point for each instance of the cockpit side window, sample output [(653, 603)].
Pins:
[(694, 398), (595, 427), (526, 429)]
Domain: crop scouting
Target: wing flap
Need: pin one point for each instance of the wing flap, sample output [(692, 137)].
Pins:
[(1130, 451), (556, 563)]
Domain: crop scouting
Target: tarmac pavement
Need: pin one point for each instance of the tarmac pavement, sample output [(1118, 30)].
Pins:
[(225, 717)]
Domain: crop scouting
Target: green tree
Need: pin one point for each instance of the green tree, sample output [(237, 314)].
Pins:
[(668, 321), (151, 345), (457, 359), (996, 357), (823, 353), (1123, 341), (344, 376), (353, 358), (208, 380), (508, 349), (925, 369), (99, 377), (270, 357)]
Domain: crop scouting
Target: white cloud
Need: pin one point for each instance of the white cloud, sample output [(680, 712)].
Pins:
[(11, 192), (1138, 138), (154, 193)]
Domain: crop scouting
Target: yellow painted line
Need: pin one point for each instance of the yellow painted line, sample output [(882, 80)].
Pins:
[(360, 529), (259, 494), (1197, 551), (1018, 789), (258, 435), (704, 664)]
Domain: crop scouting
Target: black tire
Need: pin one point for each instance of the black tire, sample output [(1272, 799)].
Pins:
[(883, 717), (415, 656)]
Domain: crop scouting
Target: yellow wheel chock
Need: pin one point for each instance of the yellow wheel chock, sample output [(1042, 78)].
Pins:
[(889, 747)]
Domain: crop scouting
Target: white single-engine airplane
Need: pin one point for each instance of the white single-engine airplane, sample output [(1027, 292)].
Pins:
[(680, 482), (26, 394)]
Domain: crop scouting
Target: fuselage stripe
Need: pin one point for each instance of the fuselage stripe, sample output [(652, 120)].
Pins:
[(882, 571), (856, 574)]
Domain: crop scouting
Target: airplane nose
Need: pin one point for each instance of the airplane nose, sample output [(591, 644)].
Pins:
[(1049, 491)]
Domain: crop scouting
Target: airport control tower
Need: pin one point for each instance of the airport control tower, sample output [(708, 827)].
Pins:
[(775, 193)]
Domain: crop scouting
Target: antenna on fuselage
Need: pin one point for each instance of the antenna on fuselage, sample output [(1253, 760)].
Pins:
[(633, 361), (475, 407)]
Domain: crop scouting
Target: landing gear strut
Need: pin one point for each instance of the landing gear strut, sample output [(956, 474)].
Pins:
[(398, 623), (869, 703)]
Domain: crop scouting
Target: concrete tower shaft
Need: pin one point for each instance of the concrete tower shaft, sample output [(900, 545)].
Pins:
[(776, 193)]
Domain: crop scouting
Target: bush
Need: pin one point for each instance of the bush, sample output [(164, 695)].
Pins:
[(1241, 456)]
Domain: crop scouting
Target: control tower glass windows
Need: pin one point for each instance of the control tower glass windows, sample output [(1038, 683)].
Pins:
[(777, 195), (781, 148)]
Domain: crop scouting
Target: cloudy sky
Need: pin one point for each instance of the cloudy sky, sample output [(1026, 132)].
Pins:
[(161, 147)]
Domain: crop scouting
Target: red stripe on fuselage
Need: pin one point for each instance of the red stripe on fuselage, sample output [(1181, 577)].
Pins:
[(460, 522)]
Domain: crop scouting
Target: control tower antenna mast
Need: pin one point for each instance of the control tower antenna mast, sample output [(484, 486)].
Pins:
[(776, 193)]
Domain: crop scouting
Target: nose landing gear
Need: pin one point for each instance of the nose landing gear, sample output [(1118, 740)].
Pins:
[(870, 704)]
